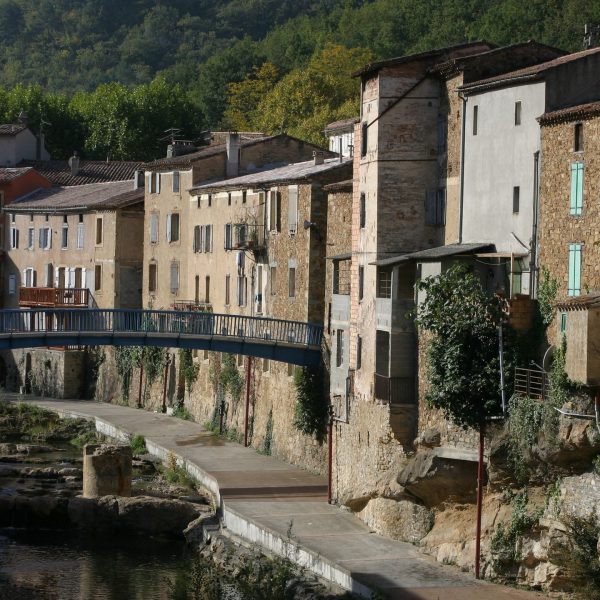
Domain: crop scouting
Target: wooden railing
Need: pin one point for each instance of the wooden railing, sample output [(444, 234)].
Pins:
[(532, 383), (395, 390), (53, 297), (246, 236)]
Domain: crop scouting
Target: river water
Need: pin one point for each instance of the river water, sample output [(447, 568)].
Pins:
[(63, 566)]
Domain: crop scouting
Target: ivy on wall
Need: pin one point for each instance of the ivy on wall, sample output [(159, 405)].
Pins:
[(311, 410), (187, 368)]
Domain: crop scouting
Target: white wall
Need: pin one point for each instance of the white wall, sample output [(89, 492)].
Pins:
[(22, 146), (498, 158)]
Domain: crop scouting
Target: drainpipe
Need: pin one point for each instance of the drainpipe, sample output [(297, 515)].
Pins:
[(533, 267), (462, 166), (248, 371), (166, 376), (330, 456), (139, 402)]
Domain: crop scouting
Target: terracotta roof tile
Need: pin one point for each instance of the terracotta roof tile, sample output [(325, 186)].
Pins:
[(343, 124), (90, 171), (581, 111), (8, 174), (580, 302)]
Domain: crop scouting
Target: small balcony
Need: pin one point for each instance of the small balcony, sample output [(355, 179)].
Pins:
[(54, 297), (395, 390), (192, 306), (246, 236)]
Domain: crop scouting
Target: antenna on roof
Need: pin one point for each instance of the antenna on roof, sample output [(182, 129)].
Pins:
[(591, 34), (171, 136)]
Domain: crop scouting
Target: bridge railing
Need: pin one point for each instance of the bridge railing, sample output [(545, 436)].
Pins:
[(159, 322)]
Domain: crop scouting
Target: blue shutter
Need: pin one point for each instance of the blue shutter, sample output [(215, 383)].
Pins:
[(574, 269), (576, 188)]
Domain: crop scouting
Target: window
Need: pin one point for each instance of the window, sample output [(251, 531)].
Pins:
[(273, 280), (80, 234), (176, 182), (516, 198), (359, 352), (173, 227), (292, 209), (227, 289), (361, 282), (578, 138), (292, 282), (242, 289), (339, 348), (99, 231), (517, 113), (152, 279), (363, 210), (576, 188), (341, 277), (441, 135), (228, 198), (64, 238), (207, 289), (244, 196), (29, 277), (475, 117), (563, 322), (363, 139), (154, 228), (208, 238), (209, 200), (30, 238), (174, 277), (45, 241), (50, 275), (574, 270), (259, 289), (435, 207), (14, 238), (12, 285), (197, 242), (274, 211), (384, 283), (98, 278), (154, 183), (227, 237)]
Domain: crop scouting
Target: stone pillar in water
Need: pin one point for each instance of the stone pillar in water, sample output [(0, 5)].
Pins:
[(106, 470)]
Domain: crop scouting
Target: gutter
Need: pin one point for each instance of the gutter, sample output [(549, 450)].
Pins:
[(461, 193)]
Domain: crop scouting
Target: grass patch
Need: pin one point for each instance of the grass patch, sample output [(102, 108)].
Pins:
[(181, 412), (88, 437), (177, 475), (138, 445)]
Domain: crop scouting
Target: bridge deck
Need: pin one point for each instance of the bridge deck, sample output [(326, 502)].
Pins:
[(286, 341)]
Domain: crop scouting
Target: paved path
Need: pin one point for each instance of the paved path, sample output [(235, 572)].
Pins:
[(284, 509)]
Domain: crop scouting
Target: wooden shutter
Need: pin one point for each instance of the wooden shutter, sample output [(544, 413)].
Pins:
[(168, 227), (292, 208), (430, 202), (153, 228)]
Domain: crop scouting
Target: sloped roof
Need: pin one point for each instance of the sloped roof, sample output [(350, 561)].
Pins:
[(528, 73), (58, 172), (292, 172), (584, 302), (8, 174), (93, 196), (573, 113), (339, 186), (11, 129), (433, 253), (344, 124)]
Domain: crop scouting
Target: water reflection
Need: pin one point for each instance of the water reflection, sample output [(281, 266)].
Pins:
[(59, 566)]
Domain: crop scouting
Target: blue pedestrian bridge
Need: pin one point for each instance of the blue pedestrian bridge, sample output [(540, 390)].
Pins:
[(286, 341)]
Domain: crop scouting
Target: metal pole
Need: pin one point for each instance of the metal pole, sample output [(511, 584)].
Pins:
[(330, 456), (501, 348), (248, 371), (479, 500), (139, 402)]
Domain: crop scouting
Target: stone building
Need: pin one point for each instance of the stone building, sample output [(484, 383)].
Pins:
[(17, 143), (568, 231), (168, 236), (257, 247)]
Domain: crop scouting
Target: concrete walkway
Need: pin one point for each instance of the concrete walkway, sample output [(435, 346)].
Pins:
[(283, 509)]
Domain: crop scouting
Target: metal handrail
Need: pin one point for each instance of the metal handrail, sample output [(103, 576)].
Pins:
[(160, 322)]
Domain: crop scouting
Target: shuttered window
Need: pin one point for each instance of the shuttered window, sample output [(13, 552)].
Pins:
[(12, 285), (154, 228), (176, 182), (574, 270), (292, 208), (174, 277), (274, 211), (14, 238), (152, 268), (435, 207), (173, 227), (363, 210), (80, 235), (99, 231), (208, 238), (98, 278), (576, 188), (227, 237)]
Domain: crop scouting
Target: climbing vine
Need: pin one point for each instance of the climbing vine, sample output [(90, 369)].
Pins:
[(230, 379), (310, 415), (188, 369), (547, 291), (267, 447), (154, 359), (127, 358)]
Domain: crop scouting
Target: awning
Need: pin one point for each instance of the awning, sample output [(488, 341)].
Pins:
[(434, 253), (344, 256)]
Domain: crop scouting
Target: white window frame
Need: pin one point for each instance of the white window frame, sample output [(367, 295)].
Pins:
[(45, 238), (30, 238), (154, 225), (14, 238), (80, 235)]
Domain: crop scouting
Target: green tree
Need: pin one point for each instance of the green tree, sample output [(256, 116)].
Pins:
[(462, 357)]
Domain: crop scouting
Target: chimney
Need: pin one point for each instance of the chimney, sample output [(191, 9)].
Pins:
[(234, 150), (74, 164), (319, 157), (138, 180)]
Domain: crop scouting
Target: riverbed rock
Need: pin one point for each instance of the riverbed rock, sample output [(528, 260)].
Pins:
[(434, 479), (155, 516), (70, 472), (34, 449), (93, 513), (40, 473), (6, 448), (198, 530)]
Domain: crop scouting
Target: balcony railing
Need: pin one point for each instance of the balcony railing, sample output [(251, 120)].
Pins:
[(395, 390), (246, 236), (532, 383), (54, 297), (192, 306)]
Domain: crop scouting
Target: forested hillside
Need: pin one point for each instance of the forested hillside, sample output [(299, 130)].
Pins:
[(173, 63)]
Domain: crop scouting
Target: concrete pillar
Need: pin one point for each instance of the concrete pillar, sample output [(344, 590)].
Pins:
[(106, 470)]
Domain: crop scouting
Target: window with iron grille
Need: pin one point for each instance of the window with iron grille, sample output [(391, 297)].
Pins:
[(384, 283)]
